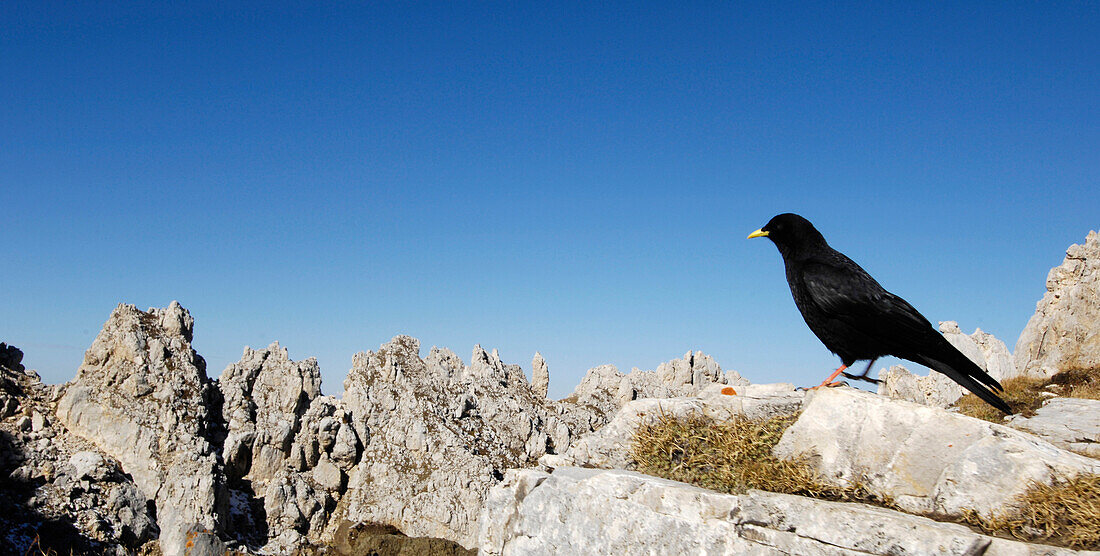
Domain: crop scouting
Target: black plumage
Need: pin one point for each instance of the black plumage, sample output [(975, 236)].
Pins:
[(856, 318)]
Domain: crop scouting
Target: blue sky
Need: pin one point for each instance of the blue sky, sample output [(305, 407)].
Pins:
[(577, 179)]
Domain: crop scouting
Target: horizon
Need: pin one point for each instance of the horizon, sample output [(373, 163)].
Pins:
[(573, 180)]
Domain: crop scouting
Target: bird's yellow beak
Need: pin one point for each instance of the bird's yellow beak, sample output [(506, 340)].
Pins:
[(758, 233)]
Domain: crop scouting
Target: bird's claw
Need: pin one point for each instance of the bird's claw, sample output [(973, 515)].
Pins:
[(824, 385), (862, 377)]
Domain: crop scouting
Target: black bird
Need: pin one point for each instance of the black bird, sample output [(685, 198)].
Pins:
[(858, 319)]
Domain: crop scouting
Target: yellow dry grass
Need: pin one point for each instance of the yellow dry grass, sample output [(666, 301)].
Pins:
[(731, 456), (1065, 513), (1025, 395)]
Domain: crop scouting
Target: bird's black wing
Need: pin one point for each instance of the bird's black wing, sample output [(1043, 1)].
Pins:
[(847, 294), (855, 304)]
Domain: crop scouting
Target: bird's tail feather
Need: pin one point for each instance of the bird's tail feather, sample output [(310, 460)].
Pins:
[(968, 377)]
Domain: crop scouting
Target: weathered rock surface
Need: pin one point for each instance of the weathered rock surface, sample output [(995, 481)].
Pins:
[(607, 389), (439, 434), (927, 459), (141, 396), (609, 447), (1064, 332), (1068, 423), (589, 511), (937, 389), (540, 376), (265, 395), (55, 486), (286, 449)]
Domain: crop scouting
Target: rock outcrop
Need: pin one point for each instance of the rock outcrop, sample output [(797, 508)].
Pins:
[(590, 511), (607, 389), (1064, 332), (142, 396), (937, 389), (286, 448), (609, 447), (57, 487), (1068, 423), (540, 376), (928, 460), (438, 434)]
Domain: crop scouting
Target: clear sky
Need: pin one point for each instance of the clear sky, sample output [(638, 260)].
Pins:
[(577, 179)]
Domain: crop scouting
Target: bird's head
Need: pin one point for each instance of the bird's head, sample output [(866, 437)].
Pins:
[(790, 233)]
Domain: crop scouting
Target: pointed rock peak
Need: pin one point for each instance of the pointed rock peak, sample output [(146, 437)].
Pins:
[(540, 376), (950, 327)]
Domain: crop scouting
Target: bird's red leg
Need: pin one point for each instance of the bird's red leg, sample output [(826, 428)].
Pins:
[(829, 381), (864, 375)]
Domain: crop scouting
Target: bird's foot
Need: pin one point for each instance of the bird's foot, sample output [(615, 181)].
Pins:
[(862, 377), (825, 384)]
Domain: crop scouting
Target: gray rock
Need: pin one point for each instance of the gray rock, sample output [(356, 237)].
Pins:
[(438, 434), (609, 447), (589, 511), (607, 389), (202, 542), (1064, 332), (89, 464), (540, 376), (265, 396), (1068, 423), (159, 438), (328, 475), (937, 389), (927, 459)]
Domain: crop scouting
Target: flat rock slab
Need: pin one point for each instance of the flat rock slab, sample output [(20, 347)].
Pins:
[(1069, 423), (927, 459), (609, 447), (592, 511)]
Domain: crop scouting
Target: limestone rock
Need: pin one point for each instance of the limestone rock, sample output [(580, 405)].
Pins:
[(590, 511), (607, 389), (59, 488), (1064, 332), (141, 396), (438, 434), (265, 395), (609, 447), (1068, 423), (540, 376), (936, 389), (927, 459)]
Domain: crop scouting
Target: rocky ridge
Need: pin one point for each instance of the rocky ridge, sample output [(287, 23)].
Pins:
[(260, 460), (1062, 334), (142, 449)]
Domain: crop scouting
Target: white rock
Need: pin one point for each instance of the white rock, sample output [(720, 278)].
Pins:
[(589, 511), (265, 396), (1064, 332), (609, 447), (328, 475), (540, 376), (160, 438), (88, 464), (927, 459), (1069, 423), (437, 435)]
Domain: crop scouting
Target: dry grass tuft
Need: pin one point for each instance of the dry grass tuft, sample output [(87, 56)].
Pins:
[(1024, 395), (1066, 513), (1077, 383), (731, 457)]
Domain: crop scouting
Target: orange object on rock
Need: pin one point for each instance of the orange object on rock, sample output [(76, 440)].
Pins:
[(729, 391)]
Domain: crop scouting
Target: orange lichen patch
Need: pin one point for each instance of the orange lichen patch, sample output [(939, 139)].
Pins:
[(729, 391)]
